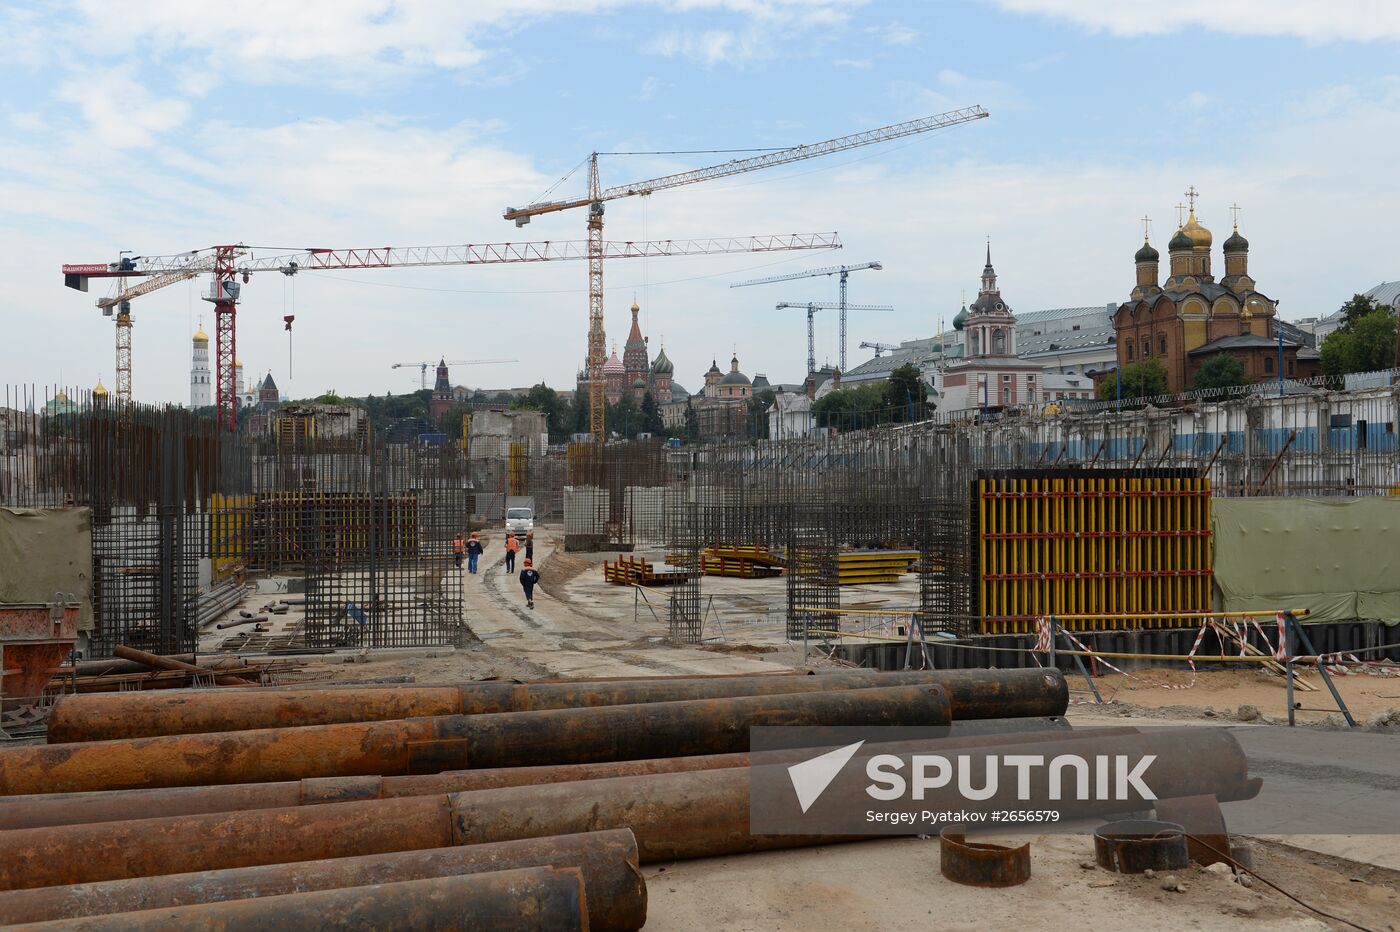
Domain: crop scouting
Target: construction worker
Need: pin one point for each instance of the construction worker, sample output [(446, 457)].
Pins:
[(528, 577), (474, 550), (459, 549), (512, 546), (530, 546)]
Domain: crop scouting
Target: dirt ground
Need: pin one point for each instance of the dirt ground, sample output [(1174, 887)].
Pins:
[(1223, 692), (584, 627), (895, 884)]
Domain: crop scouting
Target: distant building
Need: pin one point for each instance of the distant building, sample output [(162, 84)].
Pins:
[(631, 373), (723, 409), (492, 434), (790, 416), (257, 416), (443, 397), (201, 382), (990, 375), (1190, 318)]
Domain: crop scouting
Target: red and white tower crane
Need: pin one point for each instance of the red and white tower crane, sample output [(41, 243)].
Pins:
[(230, 267)]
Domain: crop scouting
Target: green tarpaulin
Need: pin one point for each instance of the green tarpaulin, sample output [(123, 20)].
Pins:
[(1338, 558), (44, 551)]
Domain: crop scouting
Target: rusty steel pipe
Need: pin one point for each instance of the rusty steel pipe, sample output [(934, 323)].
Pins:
[(673, 815), (119, 805), (455, 742), (616, 892), (972, 693), (157, 662), (527, 899)]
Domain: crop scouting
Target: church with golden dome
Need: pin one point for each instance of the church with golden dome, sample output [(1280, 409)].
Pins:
[(1190, 317)]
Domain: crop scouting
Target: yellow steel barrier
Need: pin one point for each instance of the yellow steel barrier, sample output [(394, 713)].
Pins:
[(1096, 547)]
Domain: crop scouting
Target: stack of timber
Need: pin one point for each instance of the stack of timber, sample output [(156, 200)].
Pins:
[(741, 562), (637, 571), (860, 567), (516, 805)]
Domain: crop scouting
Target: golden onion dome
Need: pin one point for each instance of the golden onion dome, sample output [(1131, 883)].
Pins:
[(100, 391), (200, 336), (1198, 235)]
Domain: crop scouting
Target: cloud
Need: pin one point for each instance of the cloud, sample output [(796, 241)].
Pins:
[(121, 113), (953, 89), (1197, 100), (709, 47), (893, 34), (651, 86), (361, 43), (1350, 20)]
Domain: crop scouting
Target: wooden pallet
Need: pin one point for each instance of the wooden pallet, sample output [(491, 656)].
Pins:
[(637, 571)]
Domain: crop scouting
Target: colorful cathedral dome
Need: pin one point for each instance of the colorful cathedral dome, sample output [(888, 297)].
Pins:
[(662, 365)]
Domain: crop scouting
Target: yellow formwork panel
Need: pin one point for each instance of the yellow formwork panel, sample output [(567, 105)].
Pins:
[(1126, 544)]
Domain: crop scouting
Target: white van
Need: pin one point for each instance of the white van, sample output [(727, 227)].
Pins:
[(520, 520)]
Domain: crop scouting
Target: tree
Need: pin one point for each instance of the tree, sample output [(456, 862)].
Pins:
[(758, 405), (692, 423), (1362, 345), (651, 416), (852, 408), (1358, 307), (1138, 379), (905, 393), (558, 416), (624, 418), (1220, 371)]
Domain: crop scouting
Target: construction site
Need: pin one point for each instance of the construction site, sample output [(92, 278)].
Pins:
[(247, 680)]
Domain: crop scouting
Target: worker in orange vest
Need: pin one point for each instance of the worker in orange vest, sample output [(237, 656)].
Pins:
[(459, 549), (512, 545)]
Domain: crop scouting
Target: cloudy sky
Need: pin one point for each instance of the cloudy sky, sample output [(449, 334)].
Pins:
[(167, 125)]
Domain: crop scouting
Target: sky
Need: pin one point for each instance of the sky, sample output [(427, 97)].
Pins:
[(170, 125)]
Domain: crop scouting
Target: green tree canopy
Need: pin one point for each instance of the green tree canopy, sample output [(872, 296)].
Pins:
[(1357, 307), (692, 422), (624, 418), (651, 416), (758, 405), (1361, 345), (558, 413), (905, 393), (853, 408), (1139, 380), (1220, 371)]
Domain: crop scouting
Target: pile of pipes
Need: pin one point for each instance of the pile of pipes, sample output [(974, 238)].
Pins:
[(132, 669), (521, 806)]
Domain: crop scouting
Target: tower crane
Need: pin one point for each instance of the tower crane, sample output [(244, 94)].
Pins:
[(424, 364), (597, 196), (230, 267), (879, 347), (842, 270), (812, 308)]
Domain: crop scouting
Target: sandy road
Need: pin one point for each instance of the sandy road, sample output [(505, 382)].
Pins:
[(567, 640)]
